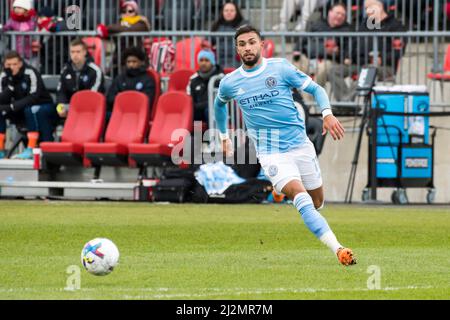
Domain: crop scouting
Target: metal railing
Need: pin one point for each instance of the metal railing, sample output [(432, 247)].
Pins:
[(403, 58), (235, 118), (198, 15)]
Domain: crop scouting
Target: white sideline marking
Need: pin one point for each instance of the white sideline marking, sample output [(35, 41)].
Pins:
[(162, 293), (239, 292)]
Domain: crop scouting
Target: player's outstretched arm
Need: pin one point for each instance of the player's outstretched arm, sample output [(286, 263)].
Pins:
[(221, 114), (330, 122)]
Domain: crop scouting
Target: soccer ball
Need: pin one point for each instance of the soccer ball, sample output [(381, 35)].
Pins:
[(99, 256)]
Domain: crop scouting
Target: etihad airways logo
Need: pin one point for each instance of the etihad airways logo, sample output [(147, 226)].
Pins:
[(259, 99)]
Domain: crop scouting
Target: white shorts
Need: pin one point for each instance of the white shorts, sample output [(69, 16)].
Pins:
[(298, 164)]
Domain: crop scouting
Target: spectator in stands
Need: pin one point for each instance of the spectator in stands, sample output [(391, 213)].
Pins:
[(23, 18), (134, 77), (386, 60), (80, 73), (230, 19), (130, 21), (48, 21), (198, 83), (289, 9), (50, 47), (320, 52), (25, 101)]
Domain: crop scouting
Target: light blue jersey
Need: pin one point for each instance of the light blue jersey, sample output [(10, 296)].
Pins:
[(264, 94)]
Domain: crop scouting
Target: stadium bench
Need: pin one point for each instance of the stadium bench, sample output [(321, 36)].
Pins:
[(128, 124), (156, 77), (179, 80), (85, 123), (174, 111)]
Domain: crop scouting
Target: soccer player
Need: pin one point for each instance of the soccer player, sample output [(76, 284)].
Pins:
[(262, 88)]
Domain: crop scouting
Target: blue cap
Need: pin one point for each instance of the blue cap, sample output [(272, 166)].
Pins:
[(208, 55)]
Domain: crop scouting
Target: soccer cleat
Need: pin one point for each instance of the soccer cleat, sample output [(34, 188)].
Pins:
[(27, 154), (2, 154), (345, 256), (277, 198)]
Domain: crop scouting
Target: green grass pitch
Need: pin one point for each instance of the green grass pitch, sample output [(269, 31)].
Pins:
[(224, 251)]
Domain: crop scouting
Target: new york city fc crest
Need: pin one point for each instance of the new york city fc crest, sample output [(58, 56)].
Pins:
[(273, 171), (271, 82)]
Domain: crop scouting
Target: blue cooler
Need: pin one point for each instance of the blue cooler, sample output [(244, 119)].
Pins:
[(404, 154)]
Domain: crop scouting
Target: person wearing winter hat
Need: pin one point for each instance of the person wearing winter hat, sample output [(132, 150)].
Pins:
[(22, 18), (130, 21), (198, 83)]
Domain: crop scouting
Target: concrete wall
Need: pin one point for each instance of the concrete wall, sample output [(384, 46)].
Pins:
[(337, 157)]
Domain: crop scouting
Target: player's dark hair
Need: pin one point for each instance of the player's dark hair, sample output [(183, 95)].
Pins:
[(12, 55), (338, 4), (134, 52), (246, 29), (78, 42)]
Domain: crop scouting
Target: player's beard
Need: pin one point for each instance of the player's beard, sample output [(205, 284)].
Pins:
[(251, 63)]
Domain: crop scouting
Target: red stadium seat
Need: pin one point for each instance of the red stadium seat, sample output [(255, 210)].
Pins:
[(147, 44), (128, 124), (174, 111), (447, 9), (156, 77), (95, 48), (179, 80), (183, 52), (228, 70), (444, 74), (269, 48), (85, 123)]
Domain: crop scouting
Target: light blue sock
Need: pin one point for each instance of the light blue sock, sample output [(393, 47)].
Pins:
[(315, 222), (312, 218)]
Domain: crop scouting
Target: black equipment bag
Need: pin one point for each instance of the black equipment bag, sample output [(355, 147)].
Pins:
[(173, 190), (251, 191)]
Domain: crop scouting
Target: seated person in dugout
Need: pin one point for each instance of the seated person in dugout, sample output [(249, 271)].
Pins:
[(80, 73), (134, 77), (198, 83), (25, 101)]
